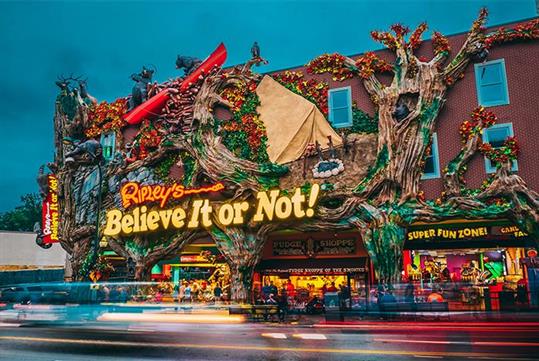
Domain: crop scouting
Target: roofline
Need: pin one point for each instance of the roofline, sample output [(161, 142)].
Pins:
[(381, 49)]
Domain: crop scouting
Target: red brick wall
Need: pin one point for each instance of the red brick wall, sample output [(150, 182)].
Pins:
[(521, 61)]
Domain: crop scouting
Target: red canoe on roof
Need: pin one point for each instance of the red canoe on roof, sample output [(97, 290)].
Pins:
[(153, 106), (217, 58)]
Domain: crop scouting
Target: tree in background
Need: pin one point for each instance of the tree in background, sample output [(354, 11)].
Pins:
[(23, 217)]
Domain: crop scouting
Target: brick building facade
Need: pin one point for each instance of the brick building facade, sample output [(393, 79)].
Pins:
[(522, 79)]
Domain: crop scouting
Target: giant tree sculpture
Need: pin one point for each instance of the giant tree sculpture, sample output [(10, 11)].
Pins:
[(379, 201), (387, 199)]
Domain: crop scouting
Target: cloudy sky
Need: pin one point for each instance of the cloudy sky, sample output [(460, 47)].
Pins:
[(107, 41)]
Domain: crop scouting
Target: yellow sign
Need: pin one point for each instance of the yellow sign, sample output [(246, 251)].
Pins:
[(269, 206), (513, 230), (461, 233)]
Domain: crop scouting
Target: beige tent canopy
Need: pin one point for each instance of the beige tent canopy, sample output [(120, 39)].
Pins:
[(291, 121)]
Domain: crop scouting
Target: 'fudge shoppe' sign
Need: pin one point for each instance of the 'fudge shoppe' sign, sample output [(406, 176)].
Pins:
[(269, 206)]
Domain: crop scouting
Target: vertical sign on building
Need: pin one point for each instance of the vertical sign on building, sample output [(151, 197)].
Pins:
[(49, 212)]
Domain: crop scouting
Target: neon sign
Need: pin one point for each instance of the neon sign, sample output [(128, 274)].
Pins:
[(133, 193), (49, 212), (269, 206)]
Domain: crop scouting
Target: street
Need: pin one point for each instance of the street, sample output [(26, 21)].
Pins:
[(369, 340)]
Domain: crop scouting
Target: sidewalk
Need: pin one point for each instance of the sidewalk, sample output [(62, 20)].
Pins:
[(419, 317)]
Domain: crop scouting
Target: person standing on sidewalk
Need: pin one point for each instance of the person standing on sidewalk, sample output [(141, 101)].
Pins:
[(283, 305)]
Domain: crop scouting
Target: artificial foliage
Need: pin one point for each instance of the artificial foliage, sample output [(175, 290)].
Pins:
[(330, 63), (363, 122), (507, 152), (245, 134), (440, 44), (314, 90), (481, 118), (370, 63), (147, 140), (162, 169), (521, 32), (105, 117), (392, 40)]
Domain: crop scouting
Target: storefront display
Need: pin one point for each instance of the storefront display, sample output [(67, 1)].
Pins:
[(198, 274), (474, 264), (306, 266)]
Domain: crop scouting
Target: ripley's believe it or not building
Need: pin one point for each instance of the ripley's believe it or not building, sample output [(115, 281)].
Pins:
[(392, 166)]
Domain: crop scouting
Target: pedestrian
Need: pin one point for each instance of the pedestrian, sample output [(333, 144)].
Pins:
[(290, 289), (266, 290), (187, 293), (217, 292), (332, 288), (195, 291), (409, 292), (435, 296), (272, 288), (181, 292), (283, 306)]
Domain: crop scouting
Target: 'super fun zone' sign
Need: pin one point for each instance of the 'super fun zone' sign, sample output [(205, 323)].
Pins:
[(149, 212)]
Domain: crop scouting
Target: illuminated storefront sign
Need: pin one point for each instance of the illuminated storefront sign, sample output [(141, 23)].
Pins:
[(269, 206), (460, 233), (133, 193), (49, 212), (315, 271), (512, 230), (444, 233), (193, 258), (314, 247)]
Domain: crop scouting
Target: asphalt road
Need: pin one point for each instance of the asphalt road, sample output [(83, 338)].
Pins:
[(246, 341)]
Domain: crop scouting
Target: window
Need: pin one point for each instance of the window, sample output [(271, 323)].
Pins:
[(432, 162), (90, 183), (88, 197), (340, 107), (108, 141), (496, 135), (491, 83)]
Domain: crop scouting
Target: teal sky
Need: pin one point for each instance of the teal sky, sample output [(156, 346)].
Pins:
[(107, 41)]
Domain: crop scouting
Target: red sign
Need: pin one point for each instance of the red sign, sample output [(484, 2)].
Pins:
[(192, 258), (134, 193), (49, 212)]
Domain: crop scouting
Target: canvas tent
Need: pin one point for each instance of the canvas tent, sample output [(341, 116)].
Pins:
[(291, 121)]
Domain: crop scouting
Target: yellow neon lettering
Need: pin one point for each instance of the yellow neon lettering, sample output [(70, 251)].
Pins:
[(239, 208), (127, 223), (226, 214), (297, 201), (153, 220), (143, 226), (265, 205), (193, 223), (178, 215), (114, 226), (206, 209), (165, 217), (283, 208)]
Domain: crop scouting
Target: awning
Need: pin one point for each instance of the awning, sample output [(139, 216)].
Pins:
[(316, 266)]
